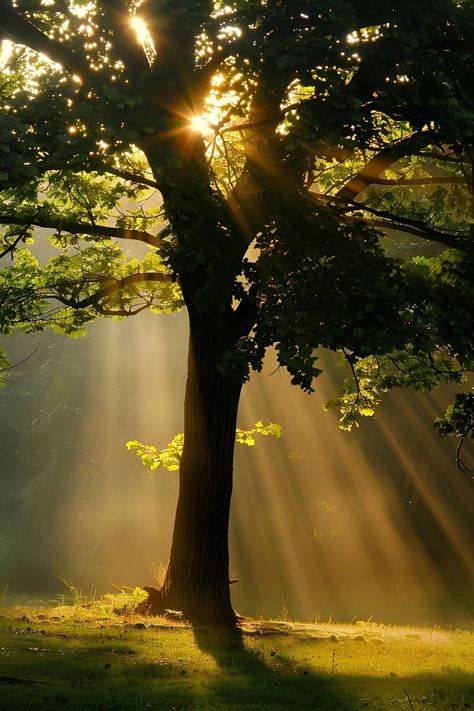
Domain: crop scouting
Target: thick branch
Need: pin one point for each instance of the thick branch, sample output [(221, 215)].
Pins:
[(14, 27), (380, 162), (83, 228)]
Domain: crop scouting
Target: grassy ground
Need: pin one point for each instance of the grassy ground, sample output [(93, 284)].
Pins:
[(87, 658)]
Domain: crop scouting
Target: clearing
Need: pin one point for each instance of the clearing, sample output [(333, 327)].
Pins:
[(87, 657)]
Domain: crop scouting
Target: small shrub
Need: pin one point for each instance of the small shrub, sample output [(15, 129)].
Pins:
[(124, 602)]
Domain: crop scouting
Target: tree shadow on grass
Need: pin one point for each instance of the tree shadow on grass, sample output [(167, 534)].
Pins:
[(160, 669), (266, 683), (251, 678), (86, 675)]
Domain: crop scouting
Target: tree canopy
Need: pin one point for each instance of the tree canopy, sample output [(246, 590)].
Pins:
[(324, 125), (298, 173)]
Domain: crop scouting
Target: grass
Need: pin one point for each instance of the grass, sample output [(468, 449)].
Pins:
[(87, 657)]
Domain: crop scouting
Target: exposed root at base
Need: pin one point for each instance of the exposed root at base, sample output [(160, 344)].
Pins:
[(163, 605)]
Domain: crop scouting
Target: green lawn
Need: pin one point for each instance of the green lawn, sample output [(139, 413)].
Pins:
[(85, 658)]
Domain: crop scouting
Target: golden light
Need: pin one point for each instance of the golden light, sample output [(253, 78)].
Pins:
[(105, 501), (373, 523), (217, 80), (352, 520), (200, 124), (79, 10), (140, 28), (144, 37), (6, 50)]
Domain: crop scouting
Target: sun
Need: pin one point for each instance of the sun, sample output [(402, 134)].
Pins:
[(200, 124)]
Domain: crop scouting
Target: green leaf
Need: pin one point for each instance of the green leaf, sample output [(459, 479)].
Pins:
[(170, 457)]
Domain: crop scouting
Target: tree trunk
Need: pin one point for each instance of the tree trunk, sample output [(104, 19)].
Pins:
[(197, 579)]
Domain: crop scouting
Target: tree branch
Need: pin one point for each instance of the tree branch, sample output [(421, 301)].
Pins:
[(20, 362), (15, 28), (132, 177), (122, 312), (422, 229), (16, 241), (380, 162), (439, 180), (83, 228), (392, 222), (247, 125), (115, 286), (430, 236)]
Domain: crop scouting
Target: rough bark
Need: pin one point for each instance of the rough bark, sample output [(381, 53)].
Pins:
[(197, 579)]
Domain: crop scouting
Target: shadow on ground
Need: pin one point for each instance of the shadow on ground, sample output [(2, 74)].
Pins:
[(44, 667), (258, 684)]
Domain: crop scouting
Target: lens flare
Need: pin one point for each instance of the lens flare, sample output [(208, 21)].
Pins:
[(200, 124)]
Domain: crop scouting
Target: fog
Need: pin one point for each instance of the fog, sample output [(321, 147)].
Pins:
[(377, 523)]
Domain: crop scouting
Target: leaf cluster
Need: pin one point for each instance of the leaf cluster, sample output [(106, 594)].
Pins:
[(170, 457), (330, 126)]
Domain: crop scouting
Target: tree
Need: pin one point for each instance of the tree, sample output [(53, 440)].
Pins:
[(314, 167)]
